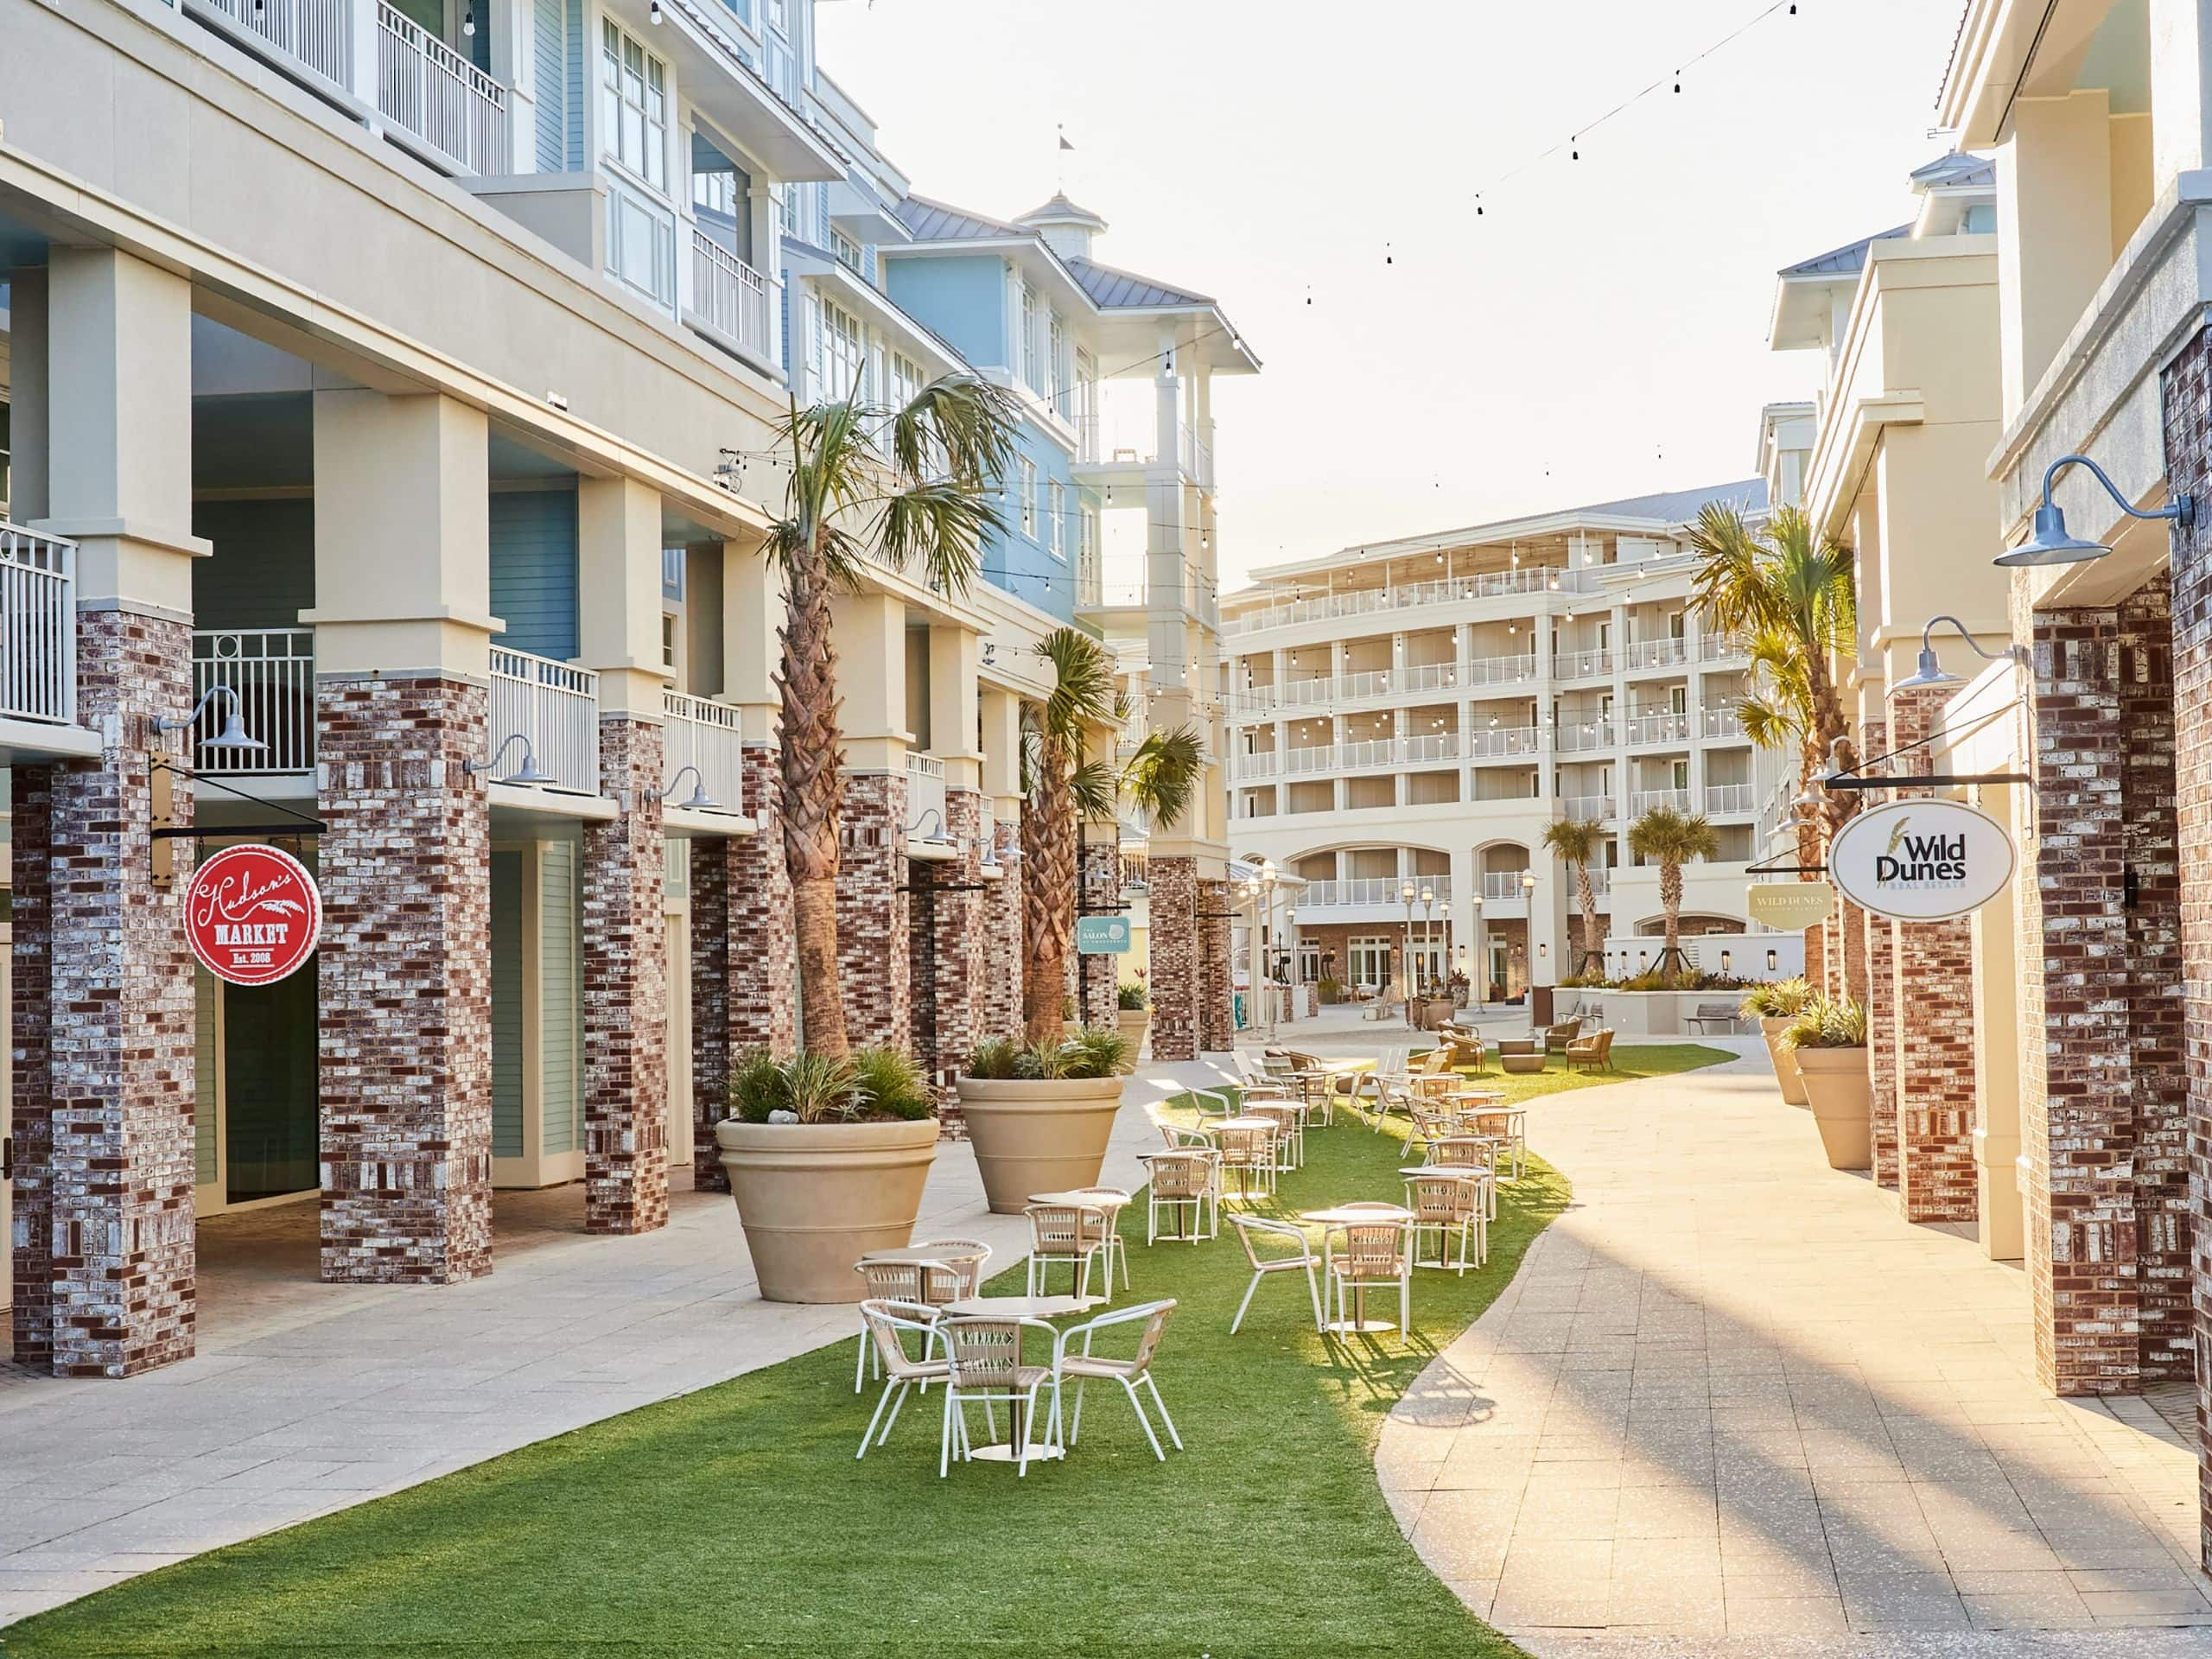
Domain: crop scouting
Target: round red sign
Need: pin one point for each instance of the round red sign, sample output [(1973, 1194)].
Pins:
[(252, 914)]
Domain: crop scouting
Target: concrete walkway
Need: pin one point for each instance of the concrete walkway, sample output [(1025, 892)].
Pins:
[(1734, 1405), (307, 1397)]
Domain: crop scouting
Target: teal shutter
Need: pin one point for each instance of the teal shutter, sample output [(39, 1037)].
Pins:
[(534, 570), (557, 1016), (507, 1004)]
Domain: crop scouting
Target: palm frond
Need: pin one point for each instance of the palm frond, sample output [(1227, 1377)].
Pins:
[(1095, 788), (1575, 840), (939, 526), (961, 426), (1083, 693), (1162, 778)]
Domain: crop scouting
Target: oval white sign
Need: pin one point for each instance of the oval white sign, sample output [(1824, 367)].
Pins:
[(1922, 861)]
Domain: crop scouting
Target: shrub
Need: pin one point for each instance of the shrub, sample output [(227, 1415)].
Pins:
[(1132, 997), (873, 1085), (1093, 1052), (1779, 998), (1825, 1023), (1331, 991)]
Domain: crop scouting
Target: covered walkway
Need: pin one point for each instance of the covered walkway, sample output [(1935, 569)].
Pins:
[(1732, 1399)]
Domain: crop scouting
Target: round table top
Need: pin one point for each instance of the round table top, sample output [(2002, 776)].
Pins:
[(1018, 1307), (1236, 1123), (946, 1252), (1339, 1216), (1451, 1171), (1094, 1200)]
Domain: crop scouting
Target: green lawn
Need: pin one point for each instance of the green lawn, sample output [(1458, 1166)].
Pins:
[(736, 1519)]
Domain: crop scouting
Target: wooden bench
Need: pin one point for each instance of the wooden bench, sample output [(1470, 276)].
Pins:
[(1709, 1013)]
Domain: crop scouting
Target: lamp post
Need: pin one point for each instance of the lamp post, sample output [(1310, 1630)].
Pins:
[(1407, 893), (1266, 887), (1528, 892), (1427, 935), (1478, 982)]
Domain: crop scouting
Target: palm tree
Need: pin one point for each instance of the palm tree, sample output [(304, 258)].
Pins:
[(920, 484), (1670, 839), (1578, 842), (1063, 788)]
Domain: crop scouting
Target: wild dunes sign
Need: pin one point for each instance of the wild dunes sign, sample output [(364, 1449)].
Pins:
[(1922, 861)]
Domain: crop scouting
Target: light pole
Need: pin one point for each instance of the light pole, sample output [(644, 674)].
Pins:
[(1267, 886), (1406, 893), (1290, 972), (1529, 891), (1480, 981), (1427, 935)]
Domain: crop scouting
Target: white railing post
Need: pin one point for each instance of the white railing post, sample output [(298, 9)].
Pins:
[(38, 626), (271, 672)]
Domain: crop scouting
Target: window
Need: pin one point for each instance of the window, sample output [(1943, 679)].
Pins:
[(1028, 362), (847, 249), (1679, 775), (667, 633), (633, 105), (1368, 961), (1056, 507), (1056, 344), (1087, 545), (671, 573), (641, 245), (1024, 478), (841, 352), (906, 381), (790, 212)]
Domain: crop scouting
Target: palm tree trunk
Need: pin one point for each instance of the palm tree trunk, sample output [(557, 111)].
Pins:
[(1586, 895), (1671, 897), (814, 788), (1047, 897)]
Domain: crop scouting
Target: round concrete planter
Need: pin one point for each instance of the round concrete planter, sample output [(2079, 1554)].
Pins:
[(815, 1197), (1842, 1098), (1038, 1137), (1785, 1059), (1133, 1023)]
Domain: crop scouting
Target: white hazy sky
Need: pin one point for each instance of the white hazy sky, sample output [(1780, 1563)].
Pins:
[(1600, 332)]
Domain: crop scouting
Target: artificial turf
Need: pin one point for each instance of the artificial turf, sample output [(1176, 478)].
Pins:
[(736, 1521)]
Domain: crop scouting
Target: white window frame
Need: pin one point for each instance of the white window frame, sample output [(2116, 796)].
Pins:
[(1025, 475), (844, 350), (1028, 323), (634, 102), (1056, 344), (1056, 511)]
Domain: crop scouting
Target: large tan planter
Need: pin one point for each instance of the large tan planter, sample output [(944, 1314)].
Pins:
[(1134, 1024), (1842, 1098), (1038, 1137), (814, 1197), (1785, 1059)]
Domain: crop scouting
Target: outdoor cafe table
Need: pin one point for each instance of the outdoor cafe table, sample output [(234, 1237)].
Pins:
[(1016, 1307), (1359, 1323), (1246, 1122), (928, 1253)]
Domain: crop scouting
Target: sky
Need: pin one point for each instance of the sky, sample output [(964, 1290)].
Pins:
[(1597, 331)]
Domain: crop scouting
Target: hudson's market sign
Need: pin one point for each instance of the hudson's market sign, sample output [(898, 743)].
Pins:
[(1922, 861), (252, 914)]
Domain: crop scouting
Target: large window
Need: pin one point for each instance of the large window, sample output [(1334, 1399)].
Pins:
[(1030, 376), (641, 245), (841, 353), (1025, 477), (1056, 344), (633, 105), (906, 381), (1087, 543), (1056, 515), (1369, 962)]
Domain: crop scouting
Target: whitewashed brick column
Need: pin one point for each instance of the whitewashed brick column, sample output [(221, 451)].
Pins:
[(624, 1002)]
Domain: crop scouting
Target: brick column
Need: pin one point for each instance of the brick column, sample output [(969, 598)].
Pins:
[(763, 951), (873, 963), (625, 993), (2157, 1063), (1098, 983), (31, 1009), (1216, 1021), (1176, 989), (999, 940), (406, 981), (1932, 966), (945, 915), (711, 1054), (1878, 943)]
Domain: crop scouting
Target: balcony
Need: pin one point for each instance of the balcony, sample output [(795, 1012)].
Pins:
[(1647, 731), (1723, 724), (925, 797), (1378, 890), (1723, 800), (556, 707), (1322, 607), (1578, 735), (38, 626), (1501, 671), (440, 97), (1423, 751), (1723, 648), (1250, 767), (731, 300), (1583, 665), (1099, 463), (1503, 742), (1093, 591), (708, 735), (1644, 800), (1655, 653), (1588, 809), (316, 35), (271, 672)]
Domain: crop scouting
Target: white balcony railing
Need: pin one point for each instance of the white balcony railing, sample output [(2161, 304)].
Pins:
[(555, 706), (1535, 579), (925, 796), (1434, 746), (1368, 756), (1728, 797), (1321, 757), (272, 671), (1256, 765), (1644, 800), (1501, 671), (1723, 648), (1657, 653), (1502, 884), (1720, 724), (1588, 809), (316, 33), (1196, 457), (1491, 743), (1376, 890), (708, 735), (1583, 734), (427, 87), (731, 298), (38, 626), (1299, 693), (1660, 728), (1582, 665)]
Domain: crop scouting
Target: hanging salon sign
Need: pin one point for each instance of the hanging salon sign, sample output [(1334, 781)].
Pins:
[(252, 914), (1922, 861), (1790, 906)]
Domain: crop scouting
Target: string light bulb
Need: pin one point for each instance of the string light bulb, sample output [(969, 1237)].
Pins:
[(468, 22), (655, 11)]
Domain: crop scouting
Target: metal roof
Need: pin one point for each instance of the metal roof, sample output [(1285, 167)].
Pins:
[(1110, 289), (1841, 262), (934, 221)]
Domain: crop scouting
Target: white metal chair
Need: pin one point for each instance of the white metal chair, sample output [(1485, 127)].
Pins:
[(1373, 1256), (1448, 1201), (1113, 1201), (1072, 1233), (1248, 1160), (1304, 1261), (927, 1284), (885, 1323), (1083, 1365), (1501, 1124), (1187, 1179), (1289, 1118), (983, 1364)]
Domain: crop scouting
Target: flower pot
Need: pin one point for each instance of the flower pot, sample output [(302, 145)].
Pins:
[(1842, 1098), (1038, 1137), (1785, 1059), (1133, 1023), (815, 1197)]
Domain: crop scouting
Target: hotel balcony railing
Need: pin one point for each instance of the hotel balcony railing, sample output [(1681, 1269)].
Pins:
[(1723, 648), (556, 706), (729, 298), (271, 670), (1582, 665), (1645, 730), (1501, 671), (38, 626), (1586, 809), (1256, 765), (1728, 797), (1656, 653), (1579, 735), (1136, 867), (1376, 890), (1720, 722), (440, 97), (1644, 800), (1442, 590), (316, 33), (1498, 742), (1433, 746), (924, 796), (708, 735), (1502, 884)]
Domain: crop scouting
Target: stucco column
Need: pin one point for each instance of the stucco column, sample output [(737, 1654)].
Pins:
[(625, 999), (1932, 965), (2054, 219), (873, 961), (402, 594), (104, 1022)]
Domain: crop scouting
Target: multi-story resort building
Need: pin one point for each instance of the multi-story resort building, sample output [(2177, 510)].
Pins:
[(413, 370), (1405, 718)]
